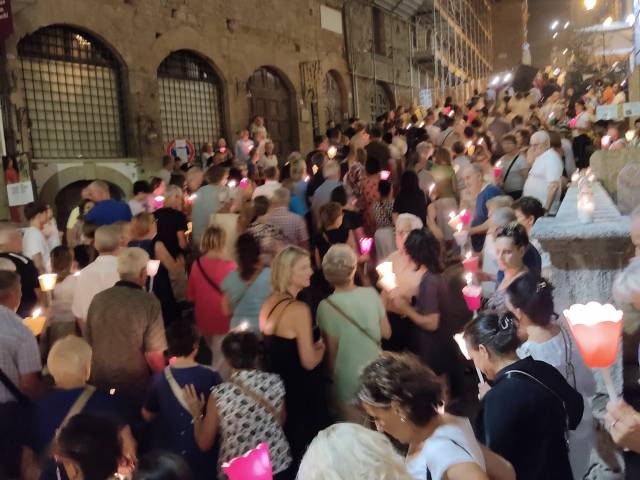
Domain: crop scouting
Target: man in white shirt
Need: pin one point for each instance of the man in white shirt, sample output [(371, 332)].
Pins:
[(34, 245), (99, 275), (139, 202), (271, 184), (543, 181)]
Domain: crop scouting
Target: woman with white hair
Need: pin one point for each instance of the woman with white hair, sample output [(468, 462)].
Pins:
[(353, 322), (293, 349), (347, 450)]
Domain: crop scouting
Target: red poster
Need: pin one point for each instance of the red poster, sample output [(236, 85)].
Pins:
[(6, 22)]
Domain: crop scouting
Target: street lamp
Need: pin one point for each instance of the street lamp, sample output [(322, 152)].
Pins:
[(554, 25), (555, 35), (608, 21), (566, 25), (589, 4)]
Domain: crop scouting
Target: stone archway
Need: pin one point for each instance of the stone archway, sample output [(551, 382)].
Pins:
[(80, 176), (273, 98)]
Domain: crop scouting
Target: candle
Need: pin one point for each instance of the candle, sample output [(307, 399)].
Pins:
[(630, 135), (332, 152), (431, 187), (471, 263), (586, 209), (307, 178), (314, 169), (189, 228), (605, 141), (152, 270), (365, 245), (232, 183), (575, 177), (47, 281), (387, 277), (244, 326), (472, 295), (385, 174), (462, 345), (497, 169), (35, 322), (244, 183), (465, 217), (192, 197), (158, 201), (597, 330), (460, 235), (454, 220)]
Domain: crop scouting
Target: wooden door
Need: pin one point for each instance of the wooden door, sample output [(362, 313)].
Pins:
[(271, 99)]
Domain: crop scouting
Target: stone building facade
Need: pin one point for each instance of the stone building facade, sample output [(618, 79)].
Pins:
[(509, 33), (100, 88)]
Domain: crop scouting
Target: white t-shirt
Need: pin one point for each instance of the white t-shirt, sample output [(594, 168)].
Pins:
[(267, 189), (450, 444), (515, 180), (99, 275), (569, 158), (136, 207), (33, 243), (547, 168)]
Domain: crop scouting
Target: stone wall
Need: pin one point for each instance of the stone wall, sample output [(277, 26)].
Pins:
[(509, 17)]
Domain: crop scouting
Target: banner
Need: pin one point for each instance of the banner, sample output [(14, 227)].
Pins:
[(20, 193)]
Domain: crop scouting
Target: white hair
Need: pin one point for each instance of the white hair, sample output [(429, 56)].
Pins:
[(423, 147), (282, 196), (540, 137), (503, 216), (331, 169), (107, 238), (70, 359), (409, 219), (348, 450), (131, 261), (627, 283)]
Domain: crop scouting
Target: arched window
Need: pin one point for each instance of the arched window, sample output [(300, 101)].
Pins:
[(190, 99), (72, 85)]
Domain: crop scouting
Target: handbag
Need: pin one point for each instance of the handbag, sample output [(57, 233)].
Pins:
[(354, 323)]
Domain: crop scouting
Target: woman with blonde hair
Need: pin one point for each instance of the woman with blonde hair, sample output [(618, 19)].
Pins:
[(292, 350), (348, 450), (204, 289), (144, 234)]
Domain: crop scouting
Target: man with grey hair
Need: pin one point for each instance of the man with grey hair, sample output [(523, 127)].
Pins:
[(543, 181), (293, 226), (11, 250), (125, 329), (106, 210), (322, 196), (100, 274)]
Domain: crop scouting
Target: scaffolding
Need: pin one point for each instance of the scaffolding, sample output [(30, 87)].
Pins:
[(453, 46)]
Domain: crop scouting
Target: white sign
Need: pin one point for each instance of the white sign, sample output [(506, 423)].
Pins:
[(426, 99), (20, 193), (608, 112), (631, 109)]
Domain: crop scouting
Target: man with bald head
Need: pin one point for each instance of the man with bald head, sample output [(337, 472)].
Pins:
[(544, 177), (100, 274), (106, 210)]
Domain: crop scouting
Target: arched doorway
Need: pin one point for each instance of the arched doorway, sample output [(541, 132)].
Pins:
[(334, 109), (191, 99), (381, 100), (69, 197), (271, 98)]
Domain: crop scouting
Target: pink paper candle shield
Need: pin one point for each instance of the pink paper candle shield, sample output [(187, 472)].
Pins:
[(471, 263), (365, 245), (597, 329), (385, 174), (472, 293), (465, 217), (253, 465), (497, 170)]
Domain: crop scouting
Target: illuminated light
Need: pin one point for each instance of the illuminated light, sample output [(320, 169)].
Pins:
[(314, 169), (81, 40), (387, 277), (631, 19), (555, 35), (431, 187), (480, 141), (590, 4), (232, 184), (244, 183), (557, 72), (495, 81), (421, 125), (331, 153), (408, 127), (112, 391), (606, 141), (307, 178), (365, 245), (385, 174), (608, 21), (451, 114), (152, 267), (630, 135), (77, 274), (564, 52), (566, 25), (551, 115), (555, 24), (244, 326), (192, 197), (48, 281), (36, 312), (159, 199), (507, 78)]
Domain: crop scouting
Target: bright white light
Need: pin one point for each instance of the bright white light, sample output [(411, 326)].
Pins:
[(631, 19), (608, 21), (556, 72), (566, 25), (589, 4), (495, 81), (555, 24), (564, 52), (507, 77), (555, 35)]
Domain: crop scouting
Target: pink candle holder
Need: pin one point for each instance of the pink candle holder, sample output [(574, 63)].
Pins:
[(385, 174), (244, 183), (497, 170), (472, 296), (597, 330), (465, 217), (471, 263), (253, 465), (365, 245)]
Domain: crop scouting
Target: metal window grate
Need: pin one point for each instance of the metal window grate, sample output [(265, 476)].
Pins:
[(72, 85), (190, 99), (380, 100)]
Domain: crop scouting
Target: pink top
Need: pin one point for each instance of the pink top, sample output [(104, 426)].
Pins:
[(206, 298)]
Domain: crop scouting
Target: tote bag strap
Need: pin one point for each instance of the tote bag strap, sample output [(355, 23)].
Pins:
[(353, 322)]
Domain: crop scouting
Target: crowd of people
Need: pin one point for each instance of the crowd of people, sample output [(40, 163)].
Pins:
[(235, 300)]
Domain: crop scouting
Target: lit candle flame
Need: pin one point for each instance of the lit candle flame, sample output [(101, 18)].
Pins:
[(459, 227), (159, 198), (36, 312), (314, 169), (232, 183), (468, 256), (431, 187), (192, 197), (244, 326), (452, 215), (468, 277), (331, 153), (307, 178)]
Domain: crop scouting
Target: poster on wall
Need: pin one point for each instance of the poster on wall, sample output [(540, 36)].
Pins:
[(608, 112), (426, 98), (20, 193), (181, 148)]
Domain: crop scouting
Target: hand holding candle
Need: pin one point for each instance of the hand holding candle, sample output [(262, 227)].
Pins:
[(497, 169), (597, 330), (365, 245), (35, 322), (332, 152), (387, 277)]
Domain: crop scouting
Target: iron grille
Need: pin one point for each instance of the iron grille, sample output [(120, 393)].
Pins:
[(190, 99), (380, 100), (73, 91)]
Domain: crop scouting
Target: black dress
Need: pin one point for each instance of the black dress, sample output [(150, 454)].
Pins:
[(161, 283), (524, 418), (305, 399)]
